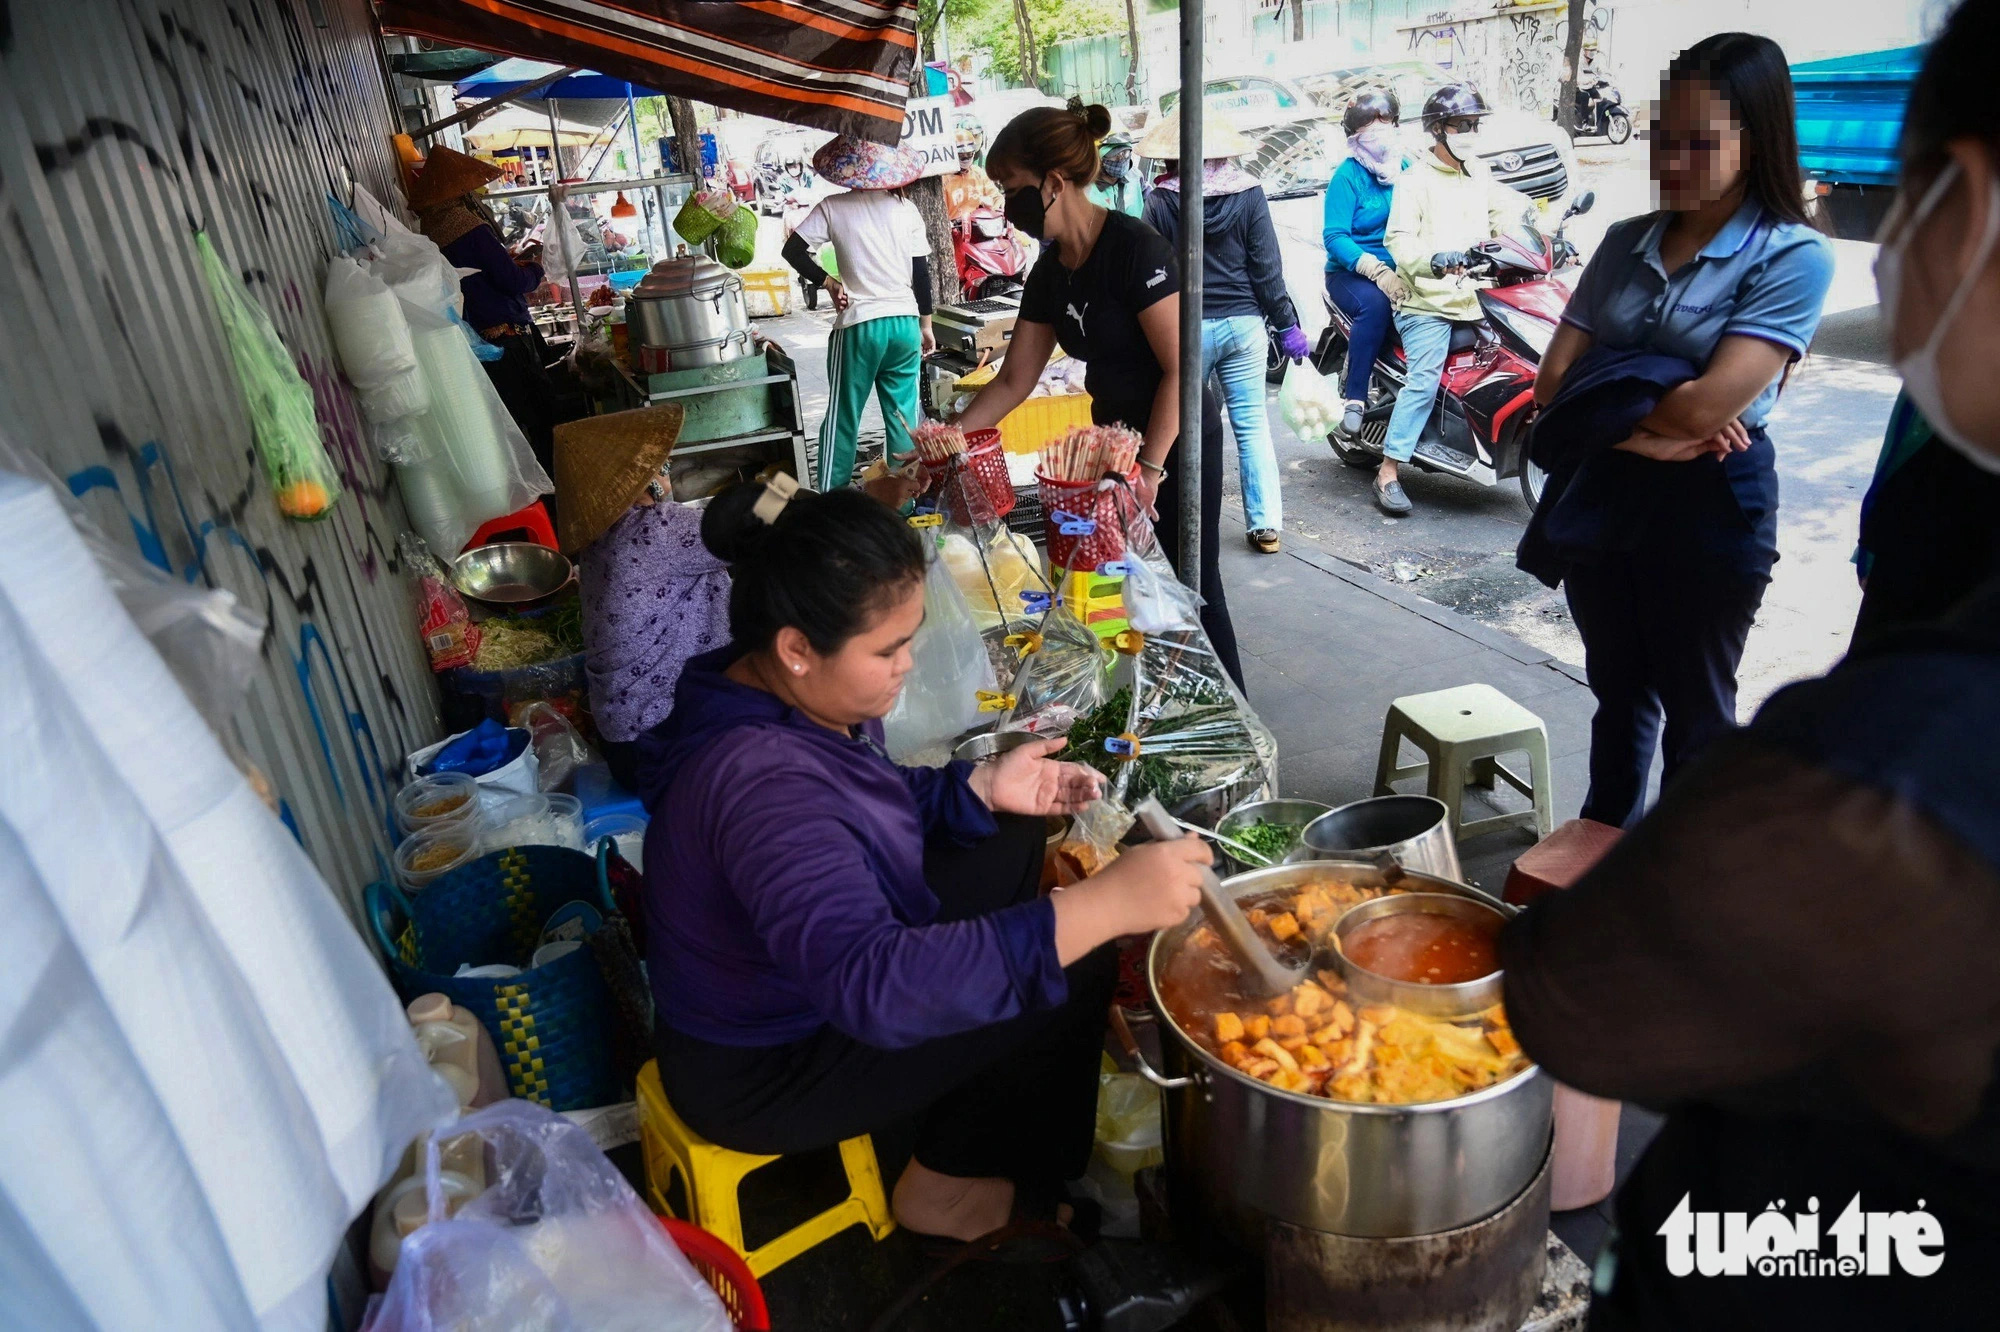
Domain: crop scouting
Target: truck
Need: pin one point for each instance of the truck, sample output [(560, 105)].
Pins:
[(1850, 122)]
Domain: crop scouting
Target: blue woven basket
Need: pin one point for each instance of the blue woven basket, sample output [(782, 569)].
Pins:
[(552, 1023)]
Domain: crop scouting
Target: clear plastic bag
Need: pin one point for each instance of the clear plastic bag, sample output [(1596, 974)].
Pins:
[(557, 1242), (279, 400), (560, 748), (1308, 402), (373, 340), (562, 245), (1156, 601), (1063, 679), (940, 698), (992, 568), (444, 623)]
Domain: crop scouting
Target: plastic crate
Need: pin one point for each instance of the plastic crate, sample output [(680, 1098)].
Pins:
[(1038, 422), (767, 292)]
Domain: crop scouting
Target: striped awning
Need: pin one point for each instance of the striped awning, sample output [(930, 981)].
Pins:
[(842, 65)]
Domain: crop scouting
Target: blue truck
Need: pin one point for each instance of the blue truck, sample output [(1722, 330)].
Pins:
[(1850, 118)]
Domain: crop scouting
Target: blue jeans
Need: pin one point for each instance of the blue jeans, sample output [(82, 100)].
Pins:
[(1426, 341), (1369, 313), (1232, 349)]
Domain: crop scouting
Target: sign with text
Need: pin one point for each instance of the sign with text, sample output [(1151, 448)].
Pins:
[(928, 132)]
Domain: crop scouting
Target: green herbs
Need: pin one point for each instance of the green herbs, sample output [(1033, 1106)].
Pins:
[(1273, 841), (1087, 737)]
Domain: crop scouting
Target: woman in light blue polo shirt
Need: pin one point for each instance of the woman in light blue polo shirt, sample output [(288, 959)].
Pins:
[(1729, 276)]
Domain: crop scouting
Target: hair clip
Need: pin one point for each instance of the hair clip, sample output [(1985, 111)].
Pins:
[(778, 492)]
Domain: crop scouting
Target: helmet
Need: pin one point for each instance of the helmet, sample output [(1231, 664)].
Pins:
[(1368, 107), (1454, 101)]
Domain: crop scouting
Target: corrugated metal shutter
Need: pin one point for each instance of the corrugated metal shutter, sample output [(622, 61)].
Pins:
[(122, 129)]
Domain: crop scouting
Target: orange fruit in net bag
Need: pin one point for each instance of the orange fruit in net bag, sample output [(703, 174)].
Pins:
[(303, 499)]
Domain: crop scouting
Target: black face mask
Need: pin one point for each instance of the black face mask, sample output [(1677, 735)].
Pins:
[(1026, 211)]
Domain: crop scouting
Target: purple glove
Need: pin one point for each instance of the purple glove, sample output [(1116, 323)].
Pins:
[(1292, 342)]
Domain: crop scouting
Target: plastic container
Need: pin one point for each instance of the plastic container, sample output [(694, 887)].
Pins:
[(1039, 422), (401, 1210), (446, 800), (427, 855), (542, 819), (458, 1046), (626, 831), (602, 795), (1107, 508)]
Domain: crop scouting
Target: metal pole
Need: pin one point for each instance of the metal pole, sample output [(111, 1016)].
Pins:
[(1188, 455), (555, 154), (639, 166)]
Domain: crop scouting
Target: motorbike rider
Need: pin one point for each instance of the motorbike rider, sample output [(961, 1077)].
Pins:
[(1443, 205), (1361, 276), (1117, 187), (969, 188)]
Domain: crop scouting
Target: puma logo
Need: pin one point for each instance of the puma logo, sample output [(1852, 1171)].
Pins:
[(1076, 315), (1159, 276)]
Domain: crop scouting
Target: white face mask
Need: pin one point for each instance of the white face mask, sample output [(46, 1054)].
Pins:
[(1919, 368), (1464, 145)]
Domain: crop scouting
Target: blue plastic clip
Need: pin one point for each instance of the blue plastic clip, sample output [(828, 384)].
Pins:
[(1122, 746), (1114, 569), (1036, 602), (1078, 527)]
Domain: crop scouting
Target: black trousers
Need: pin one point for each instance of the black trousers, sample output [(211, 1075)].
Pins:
[(521, 377), (1215, 608), (1662, 636), (1017, 1099)]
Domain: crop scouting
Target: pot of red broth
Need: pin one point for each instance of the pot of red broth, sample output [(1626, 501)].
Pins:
[(1363, 1103)]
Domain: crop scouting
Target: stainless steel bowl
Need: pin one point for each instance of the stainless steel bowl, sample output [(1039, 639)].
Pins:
[(991, 745), (1430, 1000), (1414, 829), (1300, 812), (511, 573)]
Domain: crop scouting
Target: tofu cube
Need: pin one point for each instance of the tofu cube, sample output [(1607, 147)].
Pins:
[(1284, 926), (1256, 1028), (1228, 1027)]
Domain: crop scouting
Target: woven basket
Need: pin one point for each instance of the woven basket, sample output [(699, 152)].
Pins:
[(552, 1024)]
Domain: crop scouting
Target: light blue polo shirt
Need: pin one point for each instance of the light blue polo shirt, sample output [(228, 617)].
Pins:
[(1757, 276)]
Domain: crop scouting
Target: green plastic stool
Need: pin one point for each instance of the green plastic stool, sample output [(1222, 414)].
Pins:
[(1462, 733)]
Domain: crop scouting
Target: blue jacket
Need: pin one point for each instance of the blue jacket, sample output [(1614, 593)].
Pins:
[(1601, 502), (1357, 213), (785, 885)]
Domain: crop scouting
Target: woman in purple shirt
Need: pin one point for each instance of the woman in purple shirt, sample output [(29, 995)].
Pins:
[(838, 944)]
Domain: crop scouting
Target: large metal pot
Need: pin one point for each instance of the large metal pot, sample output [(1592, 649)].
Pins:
[(1247, 1152), (693, 307), (1414, 829)]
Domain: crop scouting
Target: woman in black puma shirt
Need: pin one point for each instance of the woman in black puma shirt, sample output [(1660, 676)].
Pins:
[(1107, 287)]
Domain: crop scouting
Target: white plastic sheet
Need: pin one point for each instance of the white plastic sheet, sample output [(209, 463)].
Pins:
[(940, 697), (268, 1081)]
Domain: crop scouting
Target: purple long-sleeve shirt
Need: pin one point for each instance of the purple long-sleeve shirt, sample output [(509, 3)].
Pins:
[(785, 887), (652, 598), (497, 293)]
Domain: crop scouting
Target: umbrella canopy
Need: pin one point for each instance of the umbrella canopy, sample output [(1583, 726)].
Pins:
[(842, 65), (518, 127), (500, 79)]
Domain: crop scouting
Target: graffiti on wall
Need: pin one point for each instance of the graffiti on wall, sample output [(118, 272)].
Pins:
[(1515, 56), (121, 139), (1438, 41)]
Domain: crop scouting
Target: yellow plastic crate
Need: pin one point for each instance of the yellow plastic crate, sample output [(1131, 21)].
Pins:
[(767, 292), (1038, 422)]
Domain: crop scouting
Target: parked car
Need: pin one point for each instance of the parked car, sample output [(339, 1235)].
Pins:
[(1298, 143), (1533, 155)]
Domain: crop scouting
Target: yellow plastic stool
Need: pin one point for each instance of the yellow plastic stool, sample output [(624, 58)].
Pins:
[(712, 1175), (1462, 732)]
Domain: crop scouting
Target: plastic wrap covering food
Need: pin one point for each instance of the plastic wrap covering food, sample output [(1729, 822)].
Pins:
[(949, 671), (993, 567), (557, 1242), (1062, 679)]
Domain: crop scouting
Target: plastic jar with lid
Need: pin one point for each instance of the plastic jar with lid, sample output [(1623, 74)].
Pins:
[(427, 855), (443, 800)]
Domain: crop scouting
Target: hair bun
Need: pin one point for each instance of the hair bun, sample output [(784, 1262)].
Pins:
[(730, 527), (1097, 120)]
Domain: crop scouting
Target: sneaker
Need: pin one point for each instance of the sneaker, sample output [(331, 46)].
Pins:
[(1350, 420), (1264, 539), (1391, 499)]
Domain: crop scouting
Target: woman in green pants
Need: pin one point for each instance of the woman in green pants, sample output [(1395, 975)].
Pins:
[(882, 296)]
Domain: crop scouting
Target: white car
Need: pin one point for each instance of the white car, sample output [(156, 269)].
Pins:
[(1298, 143)]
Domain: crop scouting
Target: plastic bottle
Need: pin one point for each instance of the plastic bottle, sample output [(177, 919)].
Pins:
[(401, 1209), (459, 1047)]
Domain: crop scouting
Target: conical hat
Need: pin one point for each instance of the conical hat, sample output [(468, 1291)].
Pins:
[(602, 466), (447, 174), (1219, 137), (861, 164)]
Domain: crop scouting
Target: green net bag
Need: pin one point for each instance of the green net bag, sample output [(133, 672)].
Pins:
[(737, 241), (703, 213), (280, 401)]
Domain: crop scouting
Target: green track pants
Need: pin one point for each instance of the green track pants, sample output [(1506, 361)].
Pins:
[(884, 356)]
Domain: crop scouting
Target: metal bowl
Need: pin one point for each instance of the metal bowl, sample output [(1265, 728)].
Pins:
[(1249, 812), (991, 745), (511, 573), (1431, 1000)]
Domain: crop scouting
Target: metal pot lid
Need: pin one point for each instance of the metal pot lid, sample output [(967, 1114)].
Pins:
[(694, 275)]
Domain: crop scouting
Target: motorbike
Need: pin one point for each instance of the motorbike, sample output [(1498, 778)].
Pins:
[(1600, 110), (990, 259), (1478, 427)]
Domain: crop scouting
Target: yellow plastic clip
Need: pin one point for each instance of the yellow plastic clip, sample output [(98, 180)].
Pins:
[(926, 520), (990, 701), (1027, 644), (1129, 641)]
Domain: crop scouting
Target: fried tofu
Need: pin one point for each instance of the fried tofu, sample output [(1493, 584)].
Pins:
[(1270, 1049), (1228, 1027), (1233, 1053), (1284, 926), (1278, 1007), (1256, 1028), (1289, 1025), (1309, 999)]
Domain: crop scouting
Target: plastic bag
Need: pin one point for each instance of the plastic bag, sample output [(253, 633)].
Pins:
[(373, 340), (444, 624), (949, 668), (557, 1242), (560, 748), (279, 400), (562, 245), (1308, 402), (412, 266), (1156, 601), (1063, 678), (487, 747), (736, 242), (993, 572)]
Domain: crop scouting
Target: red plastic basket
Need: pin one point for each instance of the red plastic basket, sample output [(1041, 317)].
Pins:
[(723, 1268), (980, 490), (1108, 508)]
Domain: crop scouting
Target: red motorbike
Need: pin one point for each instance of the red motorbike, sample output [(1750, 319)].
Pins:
[(1478, 426), (990, 259)]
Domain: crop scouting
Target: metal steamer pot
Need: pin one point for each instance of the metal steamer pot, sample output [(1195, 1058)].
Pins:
[(693, 307), (1245, 1153)]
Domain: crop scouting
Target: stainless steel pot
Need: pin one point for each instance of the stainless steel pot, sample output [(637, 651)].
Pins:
[(1444, 1001), (1248, 1153), (1414, 829), (693, 307)]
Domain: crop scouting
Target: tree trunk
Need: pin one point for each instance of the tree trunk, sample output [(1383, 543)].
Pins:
[(1132, 68), (1031, 65), (1298, 20), (687, 134), (928, 195), (1565, 110)]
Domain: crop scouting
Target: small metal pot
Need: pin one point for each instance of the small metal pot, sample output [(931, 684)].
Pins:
[(1301, 812), (1431, 1000), (1415, 830)]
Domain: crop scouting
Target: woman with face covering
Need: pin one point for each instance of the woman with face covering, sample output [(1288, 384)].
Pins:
[(1107, 287), (1361, 276), (1792, 955), (838, 944), (1662, 522)]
